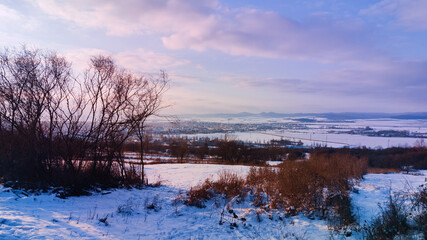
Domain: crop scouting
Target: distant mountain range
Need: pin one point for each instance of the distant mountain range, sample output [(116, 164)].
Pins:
[(332, 116)]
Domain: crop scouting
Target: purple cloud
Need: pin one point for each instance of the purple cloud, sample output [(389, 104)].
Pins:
[(207, 24), (376, 80)]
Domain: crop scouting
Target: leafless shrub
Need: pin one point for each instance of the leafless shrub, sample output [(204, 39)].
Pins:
[(156, 183), (91, 214), (178, 200), (127, 209), (342, 214), (153, 204), (104, 220), (419, 204), (391, 222)]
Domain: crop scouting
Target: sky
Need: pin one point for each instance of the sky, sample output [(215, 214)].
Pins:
[(287, 56)]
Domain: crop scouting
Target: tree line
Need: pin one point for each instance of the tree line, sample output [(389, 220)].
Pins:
[(232, 151)]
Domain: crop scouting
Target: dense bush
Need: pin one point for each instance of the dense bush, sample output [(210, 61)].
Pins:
[(318, 185), (306, 185)]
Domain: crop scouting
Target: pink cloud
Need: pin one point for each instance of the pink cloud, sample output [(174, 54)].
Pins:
[(139, 60), (145, 61), (207, 24)]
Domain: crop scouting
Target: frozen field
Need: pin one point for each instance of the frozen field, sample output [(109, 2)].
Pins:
[(157, 213), (320, 133), (324, 138)]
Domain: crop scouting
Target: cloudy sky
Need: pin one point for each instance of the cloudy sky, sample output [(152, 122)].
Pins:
[(245, 55)]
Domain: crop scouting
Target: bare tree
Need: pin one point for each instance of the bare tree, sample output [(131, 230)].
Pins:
[(420, 143), (179, 148), (148, 102), (31, 90), (120, 104), (53, 122)]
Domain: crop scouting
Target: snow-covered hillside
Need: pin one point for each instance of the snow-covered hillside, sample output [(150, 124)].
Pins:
[(158, 213)]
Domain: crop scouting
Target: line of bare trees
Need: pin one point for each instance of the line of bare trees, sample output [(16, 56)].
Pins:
[(65, 129)]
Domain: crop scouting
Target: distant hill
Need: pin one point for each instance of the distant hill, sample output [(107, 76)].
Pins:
[(421, 115), (332, 116)]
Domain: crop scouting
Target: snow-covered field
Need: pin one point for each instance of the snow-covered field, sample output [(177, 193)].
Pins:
[(158, 213), (318, 136), (320, 133)]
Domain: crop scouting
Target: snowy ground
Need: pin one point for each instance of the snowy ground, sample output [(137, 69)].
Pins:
[(157, 213), (376, 188)]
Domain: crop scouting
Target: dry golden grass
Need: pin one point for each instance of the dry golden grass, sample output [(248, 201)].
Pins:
[(228, 185), (320, 184)]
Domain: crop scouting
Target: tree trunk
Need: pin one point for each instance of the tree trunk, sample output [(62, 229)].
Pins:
[(141, 150)]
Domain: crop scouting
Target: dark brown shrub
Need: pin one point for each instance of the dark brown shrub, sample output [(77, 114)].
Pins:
[(420, 205)]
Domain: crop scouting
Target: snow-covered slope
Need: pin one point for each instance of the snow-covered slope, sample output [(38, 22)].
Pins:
[(158, 213)]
